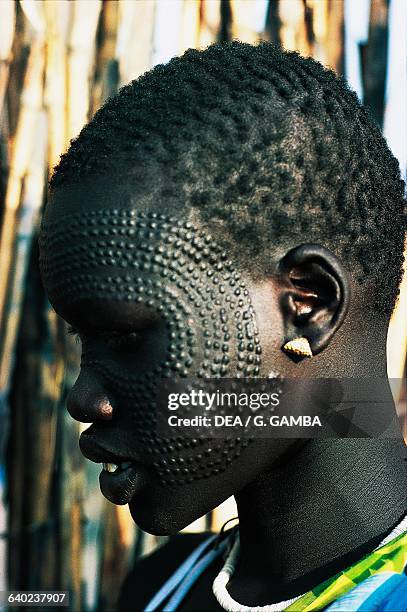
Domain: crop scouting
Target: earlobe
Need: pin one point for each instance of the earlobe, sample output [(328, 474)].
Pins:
[(314, 299)]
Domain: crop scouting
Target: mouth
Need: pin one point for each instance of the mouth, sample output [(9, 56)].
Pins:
[(121, 477)]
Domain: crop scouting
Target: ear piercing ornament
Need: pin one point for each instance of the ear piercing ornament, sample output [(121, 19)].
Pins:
[(299, 347)]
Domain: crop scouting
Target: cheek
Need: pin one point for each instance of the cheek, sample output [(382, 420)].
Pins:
[(197, 339)]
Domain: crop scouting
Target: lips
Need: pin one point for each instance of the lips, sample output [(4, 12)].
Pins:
[(120, 486), (120, 478)]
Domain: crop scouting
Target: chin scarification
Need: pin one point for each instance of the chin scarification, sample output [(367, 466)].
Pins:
[(183, 275)]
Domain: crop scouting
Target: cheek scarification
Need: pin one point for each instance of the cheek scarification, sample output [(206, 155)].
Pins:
[(183, 275)]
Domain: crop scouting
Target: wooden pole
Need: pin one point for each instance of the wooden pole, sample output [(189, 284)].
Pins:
[(7, 25), (375, 59), (57, 16), (30, 107), (135, 33), (81, 55)]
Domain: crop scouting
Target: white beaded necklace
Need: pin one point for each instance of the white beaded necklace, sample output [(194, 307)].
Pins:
[(227, 602)]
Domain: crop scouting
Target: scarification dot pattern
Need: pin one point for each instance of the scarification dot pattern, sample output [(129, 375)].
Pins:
[(186, 277)]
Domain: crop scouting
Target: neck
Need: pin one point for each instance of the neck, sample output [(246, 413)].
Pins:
[(315, 514)]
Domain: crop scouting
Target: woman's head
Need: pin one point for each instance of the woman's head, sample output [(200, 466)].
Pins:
[(269, 148), (216, 207)]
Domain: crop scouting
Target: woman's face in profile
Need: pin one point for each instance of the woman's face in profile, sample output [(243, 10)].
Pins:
[(153, 296)]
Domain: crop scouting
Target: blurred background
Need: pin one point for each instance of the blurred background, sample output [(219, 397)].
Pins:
[(59, 61)]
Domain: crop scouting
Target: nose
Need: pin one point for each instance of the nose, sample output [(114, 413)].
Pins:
[(87, 401)]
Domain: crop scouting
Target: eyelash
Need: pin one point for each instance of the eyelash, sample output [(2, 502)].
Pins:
[(74, 332)]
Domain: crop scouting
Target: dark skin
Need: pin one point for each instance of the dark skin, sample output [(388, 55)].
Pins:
[(334, 499)]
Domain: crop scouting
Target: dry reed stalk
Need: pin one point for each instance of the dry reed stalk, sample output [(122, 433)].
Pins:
[(31, 102), (7, 26), (243, 24), (189, 25), (397, 334), (119, 535), (210, 22), (57, 16), (273, 23), (106, 69), (135, 38), (110, 20), (81, 53), (293, 30), (71, 515), (167, 29), (26, 222), (319, 11), (35, 451), (375, 59), (334, 43)]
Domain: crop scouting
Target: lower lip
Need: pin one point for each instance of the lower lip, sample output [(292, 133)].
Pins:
[(119, 487)]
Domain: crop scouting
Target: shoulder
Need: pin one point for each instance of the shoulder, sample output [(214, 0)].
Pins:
[(149, 573)]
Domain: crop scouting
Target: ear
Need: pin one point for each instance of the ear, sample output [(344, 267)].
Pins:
[(315, 294)]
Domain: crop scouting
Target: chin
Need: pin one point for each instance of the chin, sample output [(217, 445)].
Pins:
[(156, 523), (161, 519), (163, 511)]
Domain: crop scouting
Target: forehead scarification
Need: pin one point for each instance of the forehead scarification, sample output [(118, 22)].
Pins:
[(115, 248)]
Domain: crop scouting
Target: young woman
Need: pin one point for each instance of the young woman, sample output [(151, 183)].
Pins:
[(232, 213)]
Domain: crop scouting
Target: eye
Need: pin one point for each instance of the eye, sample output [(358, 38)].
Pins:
[(121, 341), (74, 332)]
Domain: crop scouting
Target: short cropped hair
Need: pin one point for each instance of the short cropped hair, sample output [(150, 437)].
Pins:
[(271, 148)]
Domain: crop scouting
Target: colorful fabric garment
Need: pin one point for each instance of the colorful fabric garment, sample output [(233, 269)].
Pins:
[(392, 557), (383, 591)]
